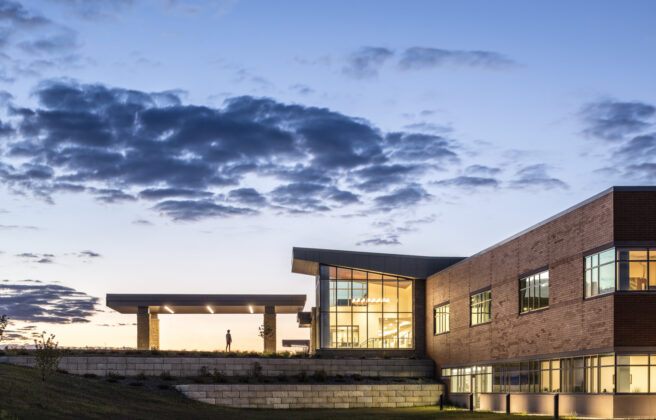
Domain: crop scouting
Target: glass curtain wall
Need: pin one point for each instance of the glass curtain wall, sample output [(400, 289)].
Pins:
[(366, 310), (593, 374)]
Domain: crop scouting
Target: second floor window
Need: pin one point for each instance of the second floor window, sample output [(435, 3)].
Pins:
[(441, 319), (481, 308), (600, 273), (534, 292)]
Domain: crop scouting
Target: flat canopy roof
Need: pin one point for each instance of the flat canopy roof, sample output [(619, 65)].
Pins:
[(307, 260), (206, 304)]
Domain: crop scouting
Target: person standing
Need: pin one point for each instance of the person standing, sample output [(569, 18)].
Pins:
[(228, 340)]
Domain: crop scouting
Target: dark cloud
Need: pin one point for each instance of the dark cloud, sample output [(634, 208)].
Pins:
[(536, 176), (160, 193), (638, 148), (407, 196), (34, 302), (247, 196), (142, 222), (469, 182), (189, 210), (365, 62), (380, 177), (418, 58), (644, 171), (390, 240), (613, 120), (37, 258), (88, 254), (421, 147), (482, 170), (97, 10), (63, 41), (125, 145)]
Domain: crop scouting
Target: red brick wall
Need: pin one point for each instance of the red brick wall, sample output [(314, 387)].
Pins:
[(635, 319), (569, 324)]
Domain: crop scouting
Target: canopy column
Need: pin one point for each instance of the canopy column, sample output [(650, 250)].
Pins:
[(154, 331), (143, 328), (270, 326)]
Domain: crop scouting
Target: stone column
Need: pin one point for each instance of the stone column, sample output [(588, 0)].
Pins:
[(143, 328), (154, 332), (313, 331), (270, 322)]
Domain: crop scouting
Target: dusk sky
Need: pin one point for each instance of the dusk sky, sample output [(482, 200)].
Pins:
[(167, 146)]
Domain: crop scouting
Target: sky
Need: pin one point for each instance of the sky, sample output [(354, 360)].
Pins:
[(165, 146)]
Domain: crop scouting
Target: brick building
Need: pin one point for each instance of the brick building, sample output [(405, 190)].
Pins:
[(566, 307)]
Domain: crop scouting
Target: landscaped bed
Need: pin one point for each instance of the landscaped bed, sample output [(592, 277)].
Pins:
[(24, 396)]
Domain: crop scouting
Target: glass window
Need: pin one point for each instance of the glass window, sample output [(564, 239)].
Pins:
[(360, 309), (534, 292), (481, 308), (441, 319), (600, 273)]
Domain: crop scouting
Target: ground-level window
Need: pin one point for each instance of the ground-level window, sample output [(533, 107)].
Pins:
[(441, 319), (481, 308), (361, 309), (470, 379), (592, 374), (534, 292), (620, 269)]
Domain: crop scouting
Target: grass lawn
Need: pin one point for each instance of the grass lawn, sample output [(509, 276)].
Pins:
[(24, 396)]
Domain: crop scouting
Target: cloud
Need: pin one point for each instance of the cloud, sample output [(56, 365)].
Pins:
[(37, 258), (365, 62), (407, 196), (142, 222), (189, 210), (88, 254), (645, 171), (122, 145), (639, 147), (390, 240), (536, 176), (18, 227), (43, 302), (468, 182), (420, 58), (482, 170), (613, 120), (302, 89)]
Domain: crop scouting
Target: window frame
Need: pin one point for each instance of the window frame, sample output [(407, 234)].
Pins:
[(527, 276), (446, 304), (471, 313)]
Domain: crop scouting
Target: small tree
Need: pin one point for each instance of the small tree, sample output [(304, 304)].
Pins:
[(265, 331), (47, 355), (4, 321)]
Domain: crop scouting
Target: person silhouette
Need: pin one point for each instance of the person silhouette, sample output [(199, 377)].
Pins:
[(228, 340)]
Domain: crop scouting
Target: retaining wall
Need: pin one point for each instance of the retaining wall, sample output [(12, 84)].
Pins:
[(189, 366), (315, 396)]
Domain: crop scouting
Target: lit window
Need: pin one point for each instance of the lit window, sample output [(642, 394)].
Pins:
[(600, 273), (534, 292), (441, 319), (481, 308)]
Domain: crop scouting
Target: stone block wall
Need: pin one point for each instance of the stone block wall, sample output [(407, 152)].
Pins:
[(315, 396), (189, 366)]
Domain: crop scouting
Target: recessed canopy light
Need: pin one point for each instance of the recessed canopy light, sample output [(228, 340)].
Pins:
[(209, 308), (168, 309), (250, 308)]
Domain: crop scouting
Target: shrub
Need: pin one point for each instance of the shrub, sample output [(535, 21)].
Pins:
[(115, 376), (62, 371), (163, 386), (356, 377), (141, 376), (166, 376), (340, 378), (204, 371), (136, 383), (90, 375), (282, 378), (47, 355), (219, 377), (4, 321), (257, 370), (302, 376), (320, 375), (244, 379)]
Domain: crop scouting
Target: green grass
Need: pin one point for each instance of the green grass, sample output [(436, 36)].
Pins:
[(24, 396)]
